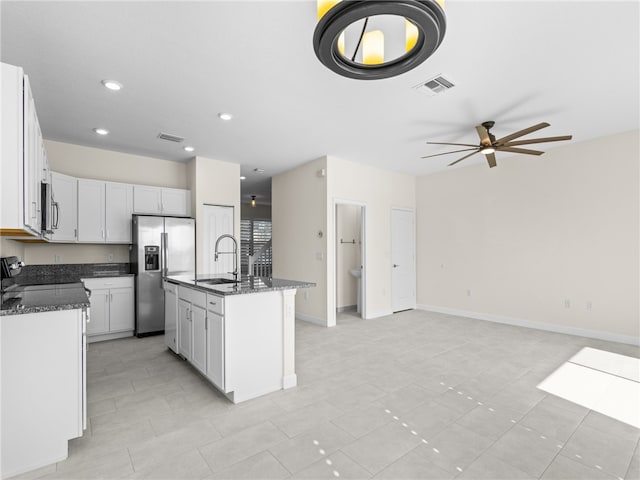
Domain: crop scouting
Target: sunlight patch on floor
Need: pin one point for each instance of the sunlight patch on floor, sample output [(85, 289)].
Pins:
[(606, 382)]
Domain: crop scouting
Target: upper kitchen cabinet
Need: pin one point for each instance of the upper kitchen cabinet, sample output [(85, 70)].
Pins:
[(65, 208), (161, 201), (104, 211), (23, 163)]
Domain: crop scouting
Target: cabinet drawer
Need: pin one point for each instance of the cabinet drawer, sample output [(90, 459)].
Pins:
[(108, 282), (194, 296), (215, 304)]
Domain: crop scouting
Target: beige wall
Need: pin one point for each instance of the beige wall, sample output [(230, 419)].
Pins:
[(11, 248), (216, 183), (99, 164), (299, 233), (304, 205), (347, 254), (517, 242)]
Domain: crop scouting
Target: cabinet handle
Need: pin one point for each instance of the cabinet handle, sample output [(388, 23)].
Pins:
[(75, 233), (107, 233), (206, 323), (212, 303)]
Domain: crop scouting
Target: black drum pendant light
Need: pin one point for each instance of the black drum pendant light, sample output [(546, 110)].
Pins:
[(351, 36)]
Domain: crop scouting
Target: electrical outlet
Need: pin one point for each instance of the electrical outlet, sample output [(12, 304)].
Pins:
[(306, 295), (468, 293), (56, 259), (110, 257), (589, 305), (567, 303)]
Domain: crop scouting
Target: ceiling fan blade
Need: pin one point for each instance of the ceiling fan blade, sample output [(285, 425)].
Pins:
[(526, 151), (521, 133), (538, 140), (460, 159), (458, 144), (491, 158), (484, 135), (447, 153)]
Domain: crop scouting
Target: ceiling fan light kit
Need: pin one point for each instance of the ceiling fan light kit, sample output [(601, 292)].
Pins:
[(489, 145), (423, 24)]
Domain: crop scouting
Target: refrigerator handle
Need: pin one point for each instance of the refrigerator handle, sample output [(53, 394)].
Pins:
[(165, 246)]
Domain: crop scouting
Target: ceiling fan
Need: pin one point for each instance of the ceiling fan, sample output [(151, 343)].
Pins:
[(489, 145)]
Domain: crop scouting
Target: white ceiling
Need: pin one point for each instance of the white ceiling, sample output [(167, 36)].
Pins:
[(573, 64)]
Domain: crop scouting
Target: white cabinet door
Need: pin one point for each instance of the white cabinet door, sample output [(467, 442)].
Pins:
[(175, 202), (171, 316), (65, 215), (32, 160), (121, 307), (147, 200), (215, 349), (199, 338), (99, 318), (118, 210), (184, 329), (91, 211)]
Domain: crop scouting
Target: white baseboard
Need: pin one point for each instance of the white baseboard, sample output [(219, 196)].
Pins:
[(311, 319), (550, 327), (384, 313), (289, 381)]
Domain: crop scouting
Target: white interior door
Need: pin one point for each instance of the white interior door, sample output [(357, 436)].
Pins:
[(403, 259), (218, 220)]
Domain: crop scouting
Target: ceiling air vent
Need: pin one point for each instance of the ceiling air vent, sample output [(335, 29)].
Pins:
[(171, 138), (434, 86)]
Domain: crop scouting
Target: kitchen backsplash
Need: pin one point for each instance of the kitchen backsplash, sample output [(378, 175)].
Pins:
[(66, 273)]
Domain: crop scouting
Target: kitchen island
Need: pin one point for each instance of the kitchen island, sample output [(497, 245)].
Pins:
[(239, 335)]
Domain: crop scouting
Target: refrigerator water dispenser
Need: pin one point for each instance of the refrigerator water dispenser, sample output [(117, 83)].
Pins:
[(151, 258)]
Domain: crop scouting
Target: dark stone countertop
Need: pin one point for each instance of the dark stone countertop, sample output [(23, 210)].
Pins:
[(21, 299), (246, 284)]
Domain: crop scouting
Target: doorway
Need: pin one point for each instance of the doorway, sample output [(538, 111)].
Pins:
[(349, 270), (403, 259)]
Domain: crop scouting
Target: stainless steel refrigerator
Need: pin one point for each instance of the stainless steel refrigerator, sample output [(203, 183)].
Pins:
[(161, 246)]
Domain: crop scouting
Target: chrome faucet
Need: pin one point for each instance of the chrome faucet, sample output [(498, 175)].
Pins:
[(234, 253)]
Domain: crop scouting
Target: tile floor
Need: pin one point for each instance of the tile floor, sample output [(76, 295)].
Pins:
[(413, 395)]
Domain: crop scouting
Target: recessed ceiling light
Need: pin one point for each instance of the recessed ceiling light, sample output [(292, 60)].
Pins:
[(101, 131), (243, 177), (225, 116), (112, 85), (189, 149)]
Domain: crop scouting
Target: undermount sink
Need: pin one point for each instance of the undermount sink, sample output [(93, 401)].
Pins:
[(214, 281), (356, 272)]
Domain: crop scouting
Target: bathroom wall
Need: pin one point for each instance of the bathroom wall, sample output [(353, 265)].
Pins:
[(348, 228)]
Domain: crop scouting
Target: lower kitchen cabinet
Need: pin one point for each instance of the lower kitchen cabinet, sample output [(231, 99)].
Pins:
[(199, 338), (184, 329), (171, 316), (43, 373), (192, 318), (112, 308)]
